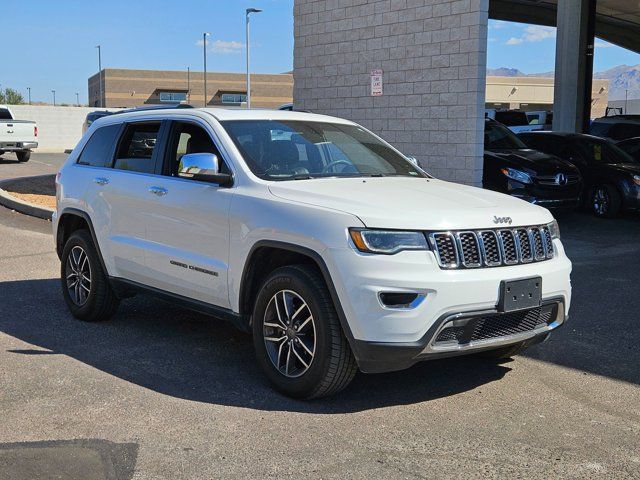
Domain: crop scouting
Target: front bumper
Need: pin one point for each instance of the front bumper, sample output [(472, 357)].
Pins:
[(385, 339), (378, 357)]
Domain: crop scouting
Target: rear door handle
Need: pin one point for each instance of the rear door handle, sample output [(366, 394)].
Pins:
[(159, 191), (101, 180)]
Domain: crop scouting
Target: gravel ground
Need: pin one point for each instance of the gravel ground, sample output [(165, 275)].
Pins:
[(162, 393)]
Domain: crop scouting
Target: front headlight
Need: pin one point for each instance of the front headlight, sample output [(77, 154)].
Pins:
[(516, 175), (636, 179), (387, 242), (554, 230)]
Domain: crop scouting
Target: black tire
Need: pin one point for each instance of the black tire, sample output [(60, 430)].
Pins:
[(332, 366), (23, 156), (100, 301), (605, 201)]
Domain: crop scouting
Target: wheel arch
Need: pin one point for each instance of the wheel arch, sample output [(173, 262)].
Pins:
[(70, 220), (261, 261)]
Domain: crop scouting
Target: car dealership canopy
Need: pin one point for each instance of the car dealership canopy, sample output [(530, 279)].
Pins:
[(414, 71)]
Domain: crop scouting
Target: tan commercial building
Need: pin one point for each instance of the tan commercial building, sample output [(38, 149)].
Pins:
[(536, 93), (131, 88)]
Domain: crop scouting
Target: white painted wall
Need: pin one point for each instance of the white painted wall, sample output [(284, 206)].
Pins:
[(59, 128)]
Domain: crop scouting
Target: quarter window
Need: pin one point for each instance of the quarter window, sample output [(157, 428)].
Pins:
[(97, 152), (136, 148), (234, 97), (173, 97)]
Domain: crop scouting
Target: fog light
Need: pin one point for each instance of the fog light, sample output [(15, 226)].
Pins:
[(400, 299)]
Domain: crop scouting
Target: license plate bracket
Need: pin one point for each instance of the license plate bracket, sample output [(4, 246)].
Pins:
[(520, 294)]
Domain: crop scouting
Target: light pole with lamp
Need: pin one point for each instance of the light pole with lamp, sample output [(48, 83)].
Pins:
[(204, 52), (100, 104), (249, 11), (77, 99), (54, 97), (29, 90)]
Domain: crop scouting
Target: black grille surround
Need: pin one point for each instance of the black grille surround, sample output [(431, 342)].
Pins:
[(495, 325), (491, 247)]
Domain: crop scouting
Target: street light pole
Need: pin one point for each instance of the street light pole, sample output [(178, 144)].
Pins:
[(54, 97), (626, 95), (29, 90), (247, 13), (204, 48), (100, 103), (188, 85), (77, 99)]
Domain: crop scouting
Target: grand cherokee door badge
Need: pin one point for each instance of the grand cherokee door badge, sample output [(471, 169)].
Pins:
[(193, 267)]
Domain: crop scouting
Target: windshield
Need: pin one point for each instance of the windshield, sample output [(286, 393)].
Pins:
[(287, 150), (604, 151), (499, 137)]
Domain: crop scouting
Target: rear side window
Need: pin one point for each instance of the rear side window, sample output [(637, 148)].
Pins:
[(5, 114), (97, 151), (512, 119), (136, 148)]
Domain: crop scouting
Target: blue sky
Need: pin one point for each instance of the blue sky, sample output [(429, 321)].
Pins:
[(53, 43), (52, 46), (532, 49)]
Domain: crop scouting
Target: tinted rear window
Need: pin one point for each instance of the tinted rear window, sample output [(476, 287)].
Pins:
[(5, 114), (512, 119), (97, 151)]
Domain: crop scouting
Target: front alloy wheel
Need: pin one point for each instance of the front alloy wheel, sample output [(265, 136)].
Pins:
[(289, 333), (601, 201), (297, 335)]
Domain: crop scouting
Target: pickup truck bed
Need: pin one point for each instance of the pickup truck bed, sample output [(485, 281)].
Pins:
[(19, 136)]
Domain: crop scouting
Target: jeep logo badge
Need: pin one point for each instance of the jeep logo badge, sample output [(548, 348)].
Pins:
[(502, 220)]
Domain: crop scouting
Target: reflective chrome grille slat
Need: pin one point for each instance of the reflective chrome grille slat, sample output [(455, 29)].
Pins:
[(491, 248)]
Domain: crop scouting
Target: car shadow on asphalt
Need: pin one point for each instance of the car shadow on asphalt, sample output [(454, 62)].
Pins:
[(188, 355)]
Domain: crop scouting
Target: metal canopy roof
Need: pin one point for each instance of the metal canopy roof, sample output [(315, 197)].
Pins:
[(617, 21)]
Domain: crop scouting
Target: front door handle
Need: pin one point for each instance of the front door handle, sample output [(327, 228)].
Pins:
[(159, 191), (101, 180)]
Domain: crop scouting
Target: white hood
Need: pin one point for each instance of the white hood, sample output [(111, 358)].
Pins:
[(412, 203)]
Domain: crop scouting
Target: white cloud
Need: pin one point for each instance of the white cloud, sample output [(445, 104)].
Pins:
[(601, 44), (227, 47), (533, 33), (497, 24), (222, 47)]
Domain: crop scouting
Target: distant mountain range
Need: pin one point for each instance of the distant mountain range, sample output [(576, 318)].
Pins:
[(621, 79)]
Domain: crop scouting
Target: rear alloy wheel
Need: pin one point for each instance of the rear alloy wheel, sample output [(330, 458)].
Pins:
[(297, 335), (605, 201), (85, 286)]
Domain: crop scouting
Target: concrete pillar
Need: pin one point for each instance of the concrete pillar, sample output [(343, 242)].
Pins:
[(574, 65), (433, 57)]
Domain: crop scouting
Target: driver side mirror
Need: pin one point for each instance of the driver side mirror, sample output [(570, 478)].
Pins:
[(204, 167)]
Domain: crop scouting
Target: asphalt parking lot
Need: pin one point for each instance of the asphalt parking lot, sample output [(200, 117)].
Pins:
[(161, 392)]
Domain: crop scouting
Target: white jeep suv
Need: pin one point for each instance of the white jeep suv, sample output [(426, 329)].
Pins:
[(325, 242)]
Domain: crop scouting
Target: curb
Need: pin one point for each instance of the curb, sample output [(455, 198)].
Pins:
[(21, 206)]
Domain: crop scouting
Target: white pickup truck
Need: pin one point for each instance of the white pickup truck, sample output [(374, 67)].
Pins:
[(19, 136)]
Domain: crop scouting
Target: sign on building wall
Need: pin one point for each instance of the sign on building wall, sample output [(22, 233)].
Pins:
[(376, 83)]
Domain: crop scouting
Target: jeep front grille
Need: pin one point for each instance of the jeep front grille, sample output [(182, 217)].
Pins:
[(491, 248)]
